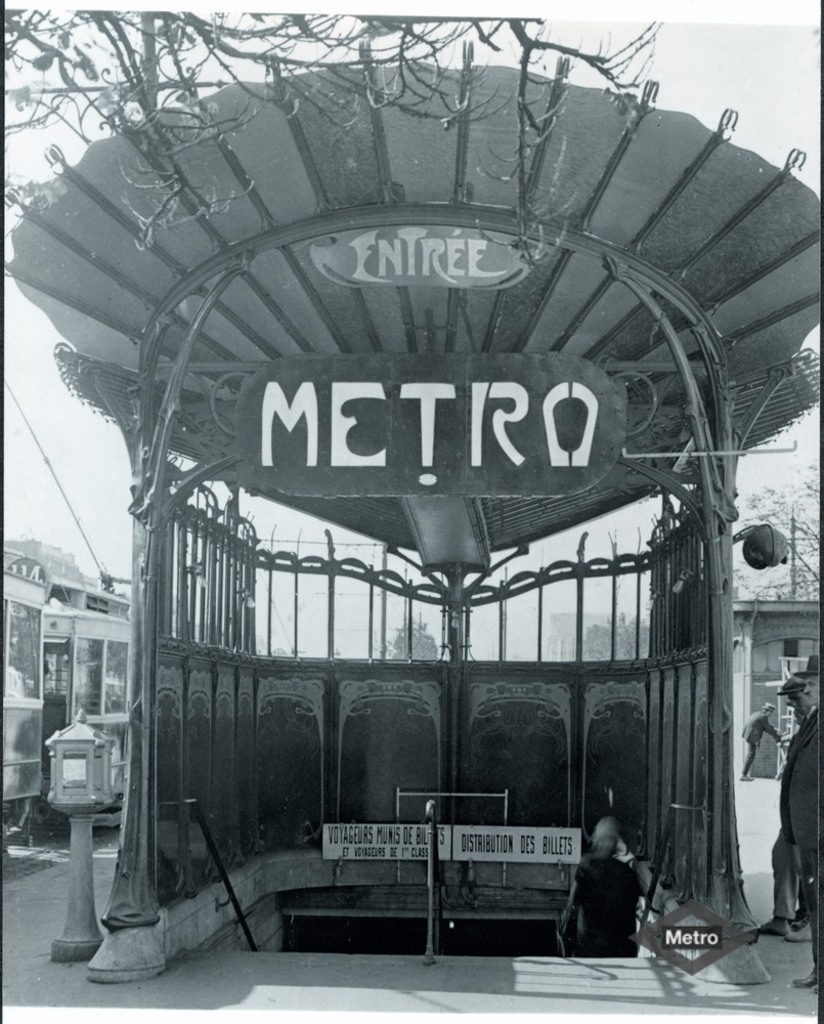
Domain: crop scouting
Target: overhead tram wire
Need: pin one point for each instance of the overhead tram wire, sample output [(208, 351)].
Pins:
[(105, 578)]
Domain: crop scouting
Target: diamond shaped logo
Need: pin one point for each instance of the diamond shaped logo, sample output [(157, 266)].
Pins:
[(692, 937)]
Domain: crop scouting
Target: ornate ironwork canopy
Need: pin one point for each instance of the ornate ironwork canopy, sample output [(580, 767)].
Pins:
[(621, 224)]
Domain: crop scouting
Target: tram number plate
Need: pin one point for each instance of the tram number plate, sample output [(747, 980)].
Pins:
[(516, 845), (390, 841)]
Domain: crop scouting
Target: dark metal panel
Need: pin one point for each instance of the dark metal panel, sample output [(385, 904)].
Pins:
[(614, 756), (667, 762), (518, 728), (389, 735), (225, 796), (700, 759), (169, 773), (654, 822), (684, 820), (197, 770), (245, 745), (289, 755)]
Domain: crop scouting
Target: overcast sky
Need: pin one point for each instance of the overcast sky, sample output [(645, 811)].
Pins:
[(768, 73)]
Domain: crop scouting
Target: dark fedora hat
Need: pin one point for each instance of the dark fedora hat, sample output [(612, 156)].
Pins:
[(811, 669), (800, 680), (794, 685)]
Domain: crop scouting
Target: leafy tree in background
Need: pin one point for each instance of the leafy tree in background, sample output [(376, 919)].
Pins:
[(797, 514), (424, 645), (598, 640)]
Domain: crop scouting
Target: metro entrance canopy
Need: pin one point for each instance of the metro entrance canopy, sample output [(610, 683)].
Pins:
[(372, 319), (661, 247)]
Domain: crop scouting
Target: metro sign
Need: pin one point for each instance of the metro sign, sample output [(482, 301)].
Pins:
[(445, 425), (440, 257)]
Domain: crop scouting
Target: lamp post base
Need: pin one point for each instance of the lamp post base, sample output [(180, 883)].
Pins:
[(130, 954), (81, 936), (65, 951)]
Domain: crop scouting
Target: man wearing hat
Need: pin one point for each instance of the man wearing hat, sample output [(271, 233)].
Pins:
[(754, 728), (798, 801)]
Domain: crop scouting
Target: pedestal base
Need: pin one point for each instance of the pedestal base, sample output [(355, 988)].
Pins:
[(741, 966), (67, 951), (129, 954)]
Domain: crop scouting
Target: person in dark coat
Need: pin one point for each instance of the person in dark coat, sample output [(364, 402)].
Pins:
[(754, 728), (605, 892), (798, 800)]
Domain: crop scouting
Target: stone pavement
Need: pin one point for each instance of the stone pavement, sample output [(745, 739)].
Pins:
[(34, 903)]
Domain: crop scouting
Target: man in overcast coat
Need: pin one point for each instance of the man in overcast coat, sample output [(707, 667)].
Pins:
[(798, 801)]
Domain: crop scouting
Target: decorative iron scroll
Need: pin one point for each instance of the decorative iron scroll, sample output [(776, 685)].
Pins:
[(553, 699), (306, 693), (355, 696)]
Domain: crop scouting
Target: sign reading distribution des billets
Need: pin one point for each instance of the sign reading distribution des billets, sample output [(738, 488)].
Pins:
[(393, 841), (520, 845)]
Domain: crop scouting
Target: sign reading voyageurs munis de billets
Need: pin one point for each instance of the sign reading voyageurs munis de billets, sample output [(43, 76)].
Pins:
[(465, 424)]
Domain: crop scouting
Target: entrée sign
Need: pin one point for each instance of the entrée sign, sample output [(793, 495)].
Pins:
[(435, 257), (509, 424), (502, 844)]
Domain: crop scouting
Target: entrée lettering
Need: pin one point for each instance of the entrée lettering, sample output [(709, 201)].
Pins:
[(439, 256)]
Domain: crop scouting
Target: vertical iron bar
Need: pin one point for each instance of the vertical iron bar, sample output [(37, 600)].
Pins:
[(270, 584), (500, 623), (295, 610), (383, 604), (540, 622), (369, 636), (409, 622), (638, 578), (614, 612), (330, 598)]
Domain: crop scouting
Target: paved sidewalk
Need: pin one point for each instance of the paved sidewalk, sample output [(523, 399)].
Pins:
[(34, 902)]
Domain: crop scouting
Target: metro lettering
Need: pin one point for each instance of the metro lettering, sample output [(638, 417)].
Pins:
[(305, 406), (694, 937)]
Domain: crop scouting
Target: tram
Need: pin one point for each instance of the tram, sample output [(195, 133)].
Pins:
[(85, 655), (24, 594), (66, 647)]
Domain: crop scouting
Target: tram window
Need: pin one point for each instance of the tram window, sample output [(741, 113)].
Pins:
[(21, 678), (116, 662), (56, 668), (767, 657), (88, 680)]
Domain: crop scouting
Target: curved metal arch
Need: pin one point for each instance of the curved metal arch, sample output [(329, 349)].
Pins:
[(469, 216)]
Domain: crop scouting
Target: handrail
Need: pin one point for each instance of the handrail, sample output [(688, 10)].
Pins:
[(213, 850)]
